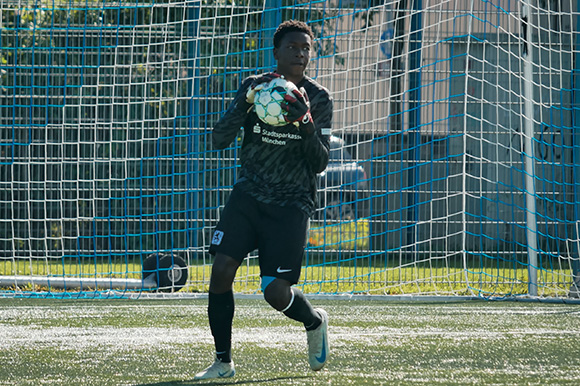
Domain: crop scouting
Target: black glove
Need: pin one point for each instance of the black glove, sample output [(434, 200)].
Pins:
[(297, 107)]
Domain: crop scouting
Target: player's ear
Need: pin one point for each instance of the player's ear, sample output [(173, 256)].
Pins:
[(275, 52)]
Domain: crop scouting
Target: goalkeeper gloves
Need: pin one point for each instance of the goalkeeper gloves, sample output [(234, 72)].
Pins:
[(246, 102), (297, 107), (258, 84)]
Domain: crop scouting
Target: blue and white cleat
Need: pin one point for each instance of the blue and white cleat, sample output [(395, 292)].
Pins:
[(218, 370), (318, 343)]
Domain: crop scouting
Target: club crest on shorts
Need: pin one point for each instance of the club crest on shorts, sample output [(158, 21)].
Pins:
[(217, 237)]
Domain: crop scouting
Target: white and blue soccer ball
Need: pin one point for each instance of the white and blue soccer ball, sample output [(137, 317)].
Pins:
[(268, 99)]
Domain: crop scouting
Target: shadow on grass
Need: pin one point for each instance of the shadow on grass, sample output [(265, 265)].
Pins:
[(223, 382)]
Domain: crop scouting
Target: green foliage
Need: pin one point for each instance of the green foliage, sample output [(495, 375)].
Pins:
[(84, 63), (124, 82), (80, 63)]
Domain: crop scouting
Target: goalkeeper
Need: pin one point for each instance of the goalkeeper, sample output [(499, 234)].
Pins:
[(273, 198)]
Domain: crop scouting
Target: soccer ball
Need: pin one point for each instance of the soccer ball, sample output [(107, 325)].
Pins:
[(267, 101)]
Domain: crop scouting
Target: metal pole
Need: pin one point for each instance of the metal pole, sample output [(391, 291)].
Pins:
[(530, 192), (272, 18), (194, 122), (575, 252), (414, 119)]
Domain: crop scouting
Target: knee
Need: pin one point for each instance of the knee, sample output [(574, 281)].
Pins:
[(278, 294), (224, 265), (223, 272)]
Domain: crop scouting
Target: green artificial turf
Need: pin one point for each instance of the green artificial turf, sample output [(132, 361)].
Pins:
[(165, 342)]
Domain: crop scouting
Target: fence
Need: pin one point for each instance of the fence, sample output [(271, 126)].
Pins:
[(455, 160)]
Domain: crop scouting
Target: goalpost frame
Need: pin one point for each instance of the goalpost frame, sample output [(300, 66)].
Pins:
[(528, 137)]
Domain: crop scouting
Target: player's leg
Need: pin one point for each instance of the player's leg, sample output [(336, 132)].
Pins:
[(220, 308), (279, 292), (220, 312), (281, 243), (282, 239), (233, 239)]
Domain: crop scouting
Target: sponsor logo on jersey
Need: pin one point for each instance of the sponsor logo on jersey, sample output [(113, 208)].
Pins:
[(278, 138)]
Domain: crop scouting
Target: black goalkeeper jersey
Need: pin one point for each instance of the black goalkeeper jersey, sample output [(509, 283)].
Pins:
[(278, 165)]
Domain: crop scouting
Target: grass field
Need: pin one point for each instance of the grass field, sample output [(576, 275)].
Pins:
[(165, 342)]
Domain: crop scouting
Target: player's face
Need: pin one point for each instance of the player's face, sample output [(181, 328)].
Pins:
[(293, 55)]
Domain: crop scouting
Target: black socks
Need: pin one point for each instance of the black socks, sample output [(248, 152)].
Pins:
[(220, 311), (301, 310)]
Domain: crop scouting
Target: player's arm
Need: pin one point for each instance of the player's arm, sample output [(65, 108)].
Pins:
[(226, 129), (314, 123)]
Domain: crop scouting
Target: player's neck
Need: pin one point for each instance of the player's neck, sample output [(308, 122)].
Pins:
[(292, 78)]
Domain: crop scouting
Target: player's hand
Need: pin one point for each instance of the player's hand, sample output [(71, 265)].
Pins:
[(297, 107), (258, 84)]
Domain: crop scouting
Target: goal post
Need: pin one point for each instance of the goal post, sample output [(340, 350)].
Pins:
[(454, 162)]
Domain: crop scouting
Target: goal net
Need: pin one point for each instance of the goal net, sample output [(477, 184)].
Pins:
[(454, 164)]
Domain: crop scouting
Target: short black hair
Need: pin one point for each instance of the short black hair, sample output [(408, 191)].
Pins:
[(291, 26)]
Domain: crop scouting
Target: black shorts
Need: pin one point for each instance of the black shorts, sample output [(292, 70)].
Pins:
[(278, 232)]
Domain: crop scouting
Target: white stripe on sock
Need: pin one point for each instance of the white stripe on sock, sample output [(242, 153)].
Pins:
[(291, 301)]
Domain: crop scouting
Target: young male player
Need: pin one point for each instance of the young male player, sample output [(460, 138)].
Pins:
[(272, 200)]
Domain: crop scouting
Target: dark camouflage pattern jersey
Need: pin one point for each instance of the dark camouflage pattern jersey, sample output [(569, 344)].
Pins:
[(278, 165)]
